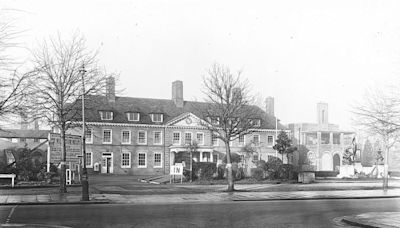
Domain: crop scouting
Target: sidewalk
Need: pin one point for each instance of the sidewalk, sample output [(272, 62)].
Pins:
[(373, 219), (197, 197)]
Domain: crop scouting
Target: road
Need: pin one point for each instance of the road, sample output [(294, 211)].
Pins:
[(289, 213)]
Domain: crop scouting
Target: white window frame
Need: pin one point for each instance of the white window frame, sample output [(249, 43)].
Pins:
[(154, 138), (110, 136), (145, 160), (180, 138), (257, 123), (259, 140), (132, 114), (191, 138), (91, 136), (217, 140), (91, 159), (103, 115), (197, 139), (122, 160), (272, 144), (161, 160), (244, 141), (145, 138), (159, 121), (122, 137)]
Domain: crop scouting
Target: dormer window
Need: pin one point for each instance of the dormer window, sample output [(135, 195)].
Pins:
[(255, 122), (157, 117), (214, 120), (133, 116), (106, 115)]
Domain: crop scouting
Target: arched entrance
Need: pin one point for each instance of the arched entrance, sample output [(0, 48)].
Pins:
[(336, 162), (327, 162)]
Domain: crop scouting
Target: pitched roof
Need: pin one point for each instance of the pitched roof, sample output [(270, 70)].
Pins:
[(147, 106), (24, 133)]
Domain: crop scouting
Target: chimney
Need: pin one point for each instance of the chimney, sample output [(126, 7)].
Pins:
[(269, 106), (24, 121), (110, 89), (322, 112), (177, 93)]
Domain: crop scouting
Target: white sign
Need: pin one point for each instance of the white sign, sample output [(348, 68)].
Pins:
[(176, 169)]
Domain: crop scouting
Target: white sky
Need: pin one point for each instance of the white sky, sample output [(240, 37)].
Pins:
[(300, 52)]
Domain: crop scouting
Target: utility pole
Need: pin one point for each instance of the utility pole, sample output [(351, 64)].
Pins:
[(85, 182)]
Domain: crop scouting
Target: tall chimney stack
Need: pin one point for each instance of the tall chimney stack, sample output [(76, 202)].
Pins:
[(269, 106), (110, 89), (322, 112), (177, 93)]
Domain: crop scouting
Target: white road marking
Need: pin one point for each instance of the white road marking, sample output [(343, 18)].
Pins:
[(11, 213)]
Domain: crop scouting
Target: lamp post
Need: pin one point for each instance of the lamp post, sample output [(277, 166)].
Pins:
[(84, 181)]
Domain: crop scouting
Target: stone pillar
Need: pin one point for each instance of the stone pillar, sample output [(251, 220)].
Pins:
[(172, 156), (211, 157), (201, 156)]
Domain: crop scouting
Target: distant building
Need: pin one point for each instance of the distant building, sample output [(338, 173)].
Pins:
[(325, 141), (145, 136)]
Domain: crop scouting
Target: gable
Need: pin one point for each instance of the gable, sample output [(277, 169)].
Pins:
[(186, 120)]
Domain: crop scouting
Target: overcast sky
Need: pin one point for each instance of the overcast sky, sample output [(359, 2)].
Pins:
[(300, 52)]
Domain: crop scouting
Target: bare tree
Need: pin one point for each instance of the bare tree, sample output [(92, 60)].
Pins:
[(13, 85), (379, 115), (59, 82), (230, 112)]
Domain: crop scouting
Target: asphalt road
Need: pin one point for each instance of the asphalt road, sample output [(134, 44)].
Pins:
[(290, 213)]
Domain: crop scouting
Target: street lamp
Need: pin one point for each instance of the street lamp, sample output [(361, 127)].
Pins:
[(84, 181)]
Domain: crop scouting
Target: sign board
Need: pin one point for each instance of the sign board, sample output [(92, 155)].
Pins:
[(176, 169), (73, 148)]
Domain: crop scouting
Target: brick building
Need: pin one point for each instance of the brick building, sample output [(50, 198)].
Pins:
[(144, 136)]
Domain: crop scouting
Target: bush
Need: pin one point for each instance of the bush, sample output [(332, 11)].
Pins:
[(204, 170), (273, 167), (257, 173), (221, 171)]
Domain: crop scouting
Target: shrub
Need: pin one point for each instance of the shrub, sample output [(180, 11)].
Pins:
[(221, 171), (204, 170), (326, 173), (257, 173), (273, 167)]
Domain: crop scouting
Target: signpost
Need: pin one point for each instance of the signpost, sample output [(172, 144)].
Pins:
[(176, 169), (73, 149)]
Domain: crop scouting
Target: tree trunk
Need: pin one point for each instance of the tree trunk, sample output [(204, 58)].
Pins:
[(63, 178), (229, 169), (385, 169)]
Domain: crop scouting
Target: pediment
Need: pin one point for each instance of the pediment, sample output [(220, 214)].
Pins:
[(186, 120)]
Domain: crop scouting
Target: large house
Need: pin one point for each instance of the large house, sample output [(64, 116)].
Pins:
[(325, 141), (145, 136)]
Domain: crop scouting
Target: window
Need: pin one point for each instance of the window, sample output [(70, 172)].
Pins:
[(336, 138), (176, 138), (142, 137), (256, 122), (158, 137), (241, 140), (214, 120), (126, 137), (106, 115), (206, 157), (133, 116), (255, 157), (214, 140), (256, 140), (215, 158), (325, 138), (107, 136), (157, 160), (270, 140), (157, 117), (126, 160), (142, 160), (241, 158), (88, 136), (89, 159), (200, 138), (188, 138)]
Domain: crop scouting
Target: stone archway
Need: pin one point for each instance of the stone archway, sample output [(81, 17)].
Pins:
[(326, 160), (336, 162)]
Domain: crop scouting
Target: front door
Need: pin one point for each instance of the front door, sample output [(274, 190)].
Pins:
[(107, 163)]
